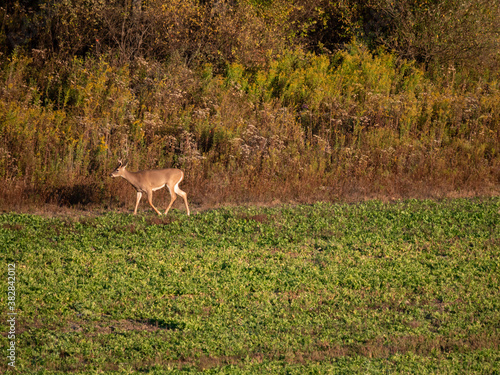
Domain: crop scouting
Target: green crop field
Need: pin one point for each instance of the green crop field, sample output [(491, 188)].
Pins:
[(405, 287)]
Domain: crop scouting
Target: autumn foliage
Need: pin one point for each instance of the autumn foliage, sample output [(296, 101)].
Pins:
[(258, 101)]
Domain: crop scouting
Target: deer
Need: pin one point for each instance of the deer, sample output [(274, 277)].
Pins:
[(148, 181)]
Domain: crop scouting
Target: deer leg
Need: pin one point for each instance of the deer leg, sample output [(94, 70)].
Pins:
[(173, 197), (183, 195), (150, 200), (139, 195)]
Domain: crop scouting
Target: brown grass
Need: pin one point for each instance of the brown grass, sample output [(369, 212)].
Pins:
[(296, 128)]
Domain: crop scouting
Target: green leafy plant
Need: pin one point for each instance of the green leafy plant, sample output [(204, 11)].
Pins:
[(405, 286)]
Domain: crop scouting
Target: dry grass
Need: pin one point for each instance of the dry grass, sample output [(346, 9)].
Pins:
[(305, 128)]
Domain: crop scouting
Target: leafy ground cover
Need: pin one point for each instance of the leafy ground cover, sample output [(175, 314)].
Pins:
[(409, 286)]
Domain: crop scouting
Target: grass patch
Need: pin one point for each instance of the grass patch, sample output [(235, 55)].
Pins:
[(410, 286)]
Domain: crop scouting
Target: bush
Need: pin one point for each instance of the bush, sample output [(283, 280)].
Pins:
[(444, 33), (244, 106), (349, 124)]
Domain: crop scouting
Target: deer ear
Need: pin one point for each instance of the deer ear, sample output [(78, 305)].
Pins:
[(120, 162), (125, 164)]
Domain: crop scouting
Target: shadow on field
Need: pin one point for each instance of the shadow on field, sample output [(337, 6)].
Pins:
[(92, 328), (76, 195)]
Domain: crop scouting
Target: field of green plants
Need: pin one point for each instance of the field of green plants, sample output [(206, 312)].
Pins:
[(404, 287)]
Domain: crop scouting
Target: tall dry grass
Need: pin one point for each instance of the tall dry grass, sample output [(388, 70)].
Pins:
[(300, 128)]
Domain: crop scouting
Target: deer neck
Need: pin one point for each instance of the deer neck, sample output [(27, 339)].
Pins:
[(131, 177)]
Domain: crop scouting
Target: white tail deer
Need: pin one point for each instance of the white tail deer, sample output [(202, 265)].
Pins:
[(152, 180)]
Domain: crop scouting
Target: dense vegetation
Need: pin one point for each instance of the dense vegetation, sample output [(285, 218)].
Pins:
[(406, 287), (263, 101)]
